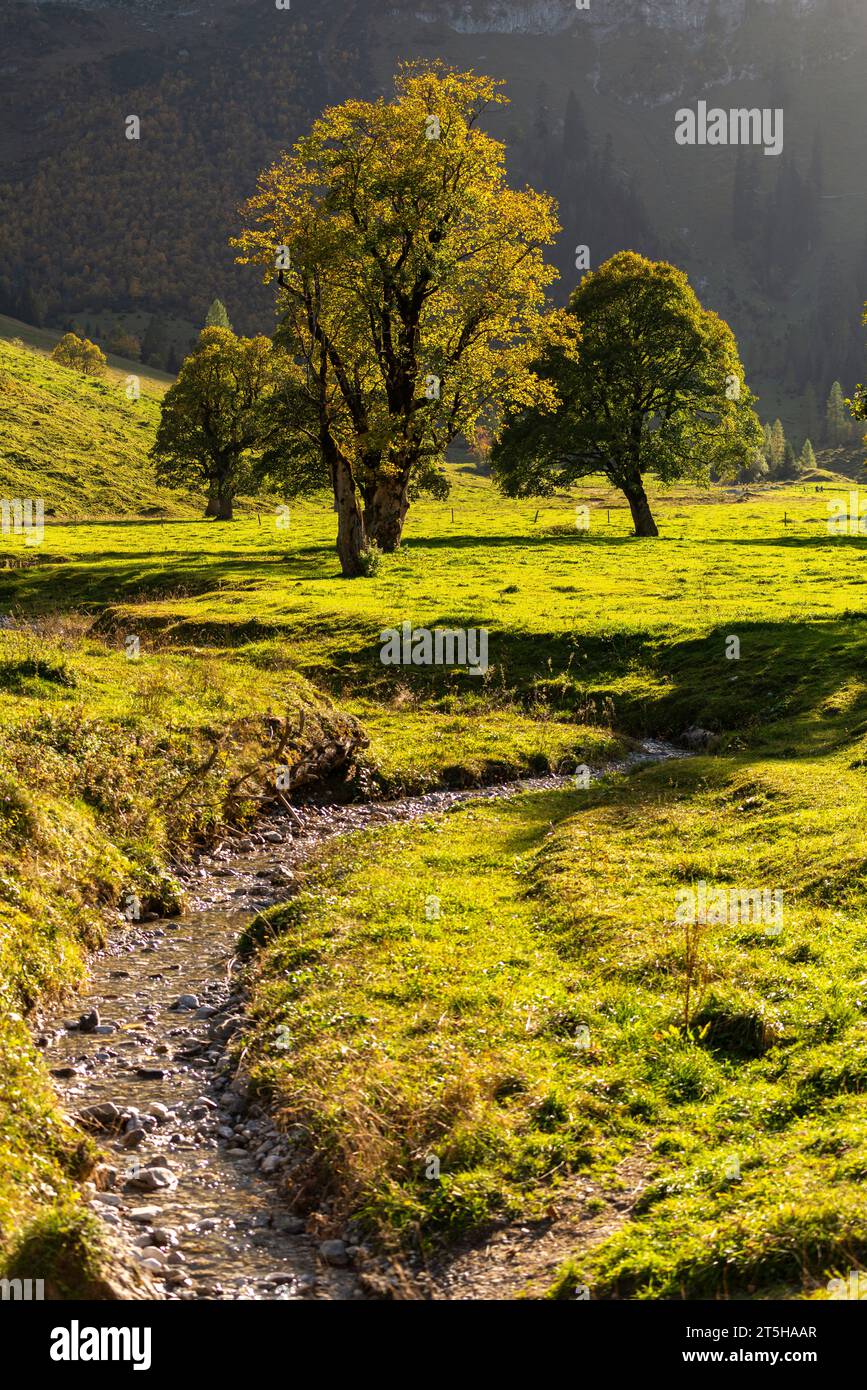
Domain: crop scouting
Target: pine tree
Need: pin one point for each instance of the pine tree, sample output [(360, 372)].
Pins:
[(713, 23), (789, 466), (778, 447), (541, 116), (837, 430), (768, 433), (807, 461), (217, 317), (33, 307)]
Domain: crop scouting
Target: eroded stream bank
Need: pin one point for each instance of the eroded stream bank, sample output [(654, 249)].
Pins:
[(191, 1187)]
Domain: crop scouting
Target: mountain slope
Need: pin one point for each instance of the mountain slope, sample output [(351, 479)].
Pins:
[(95, 222), (78, 444)]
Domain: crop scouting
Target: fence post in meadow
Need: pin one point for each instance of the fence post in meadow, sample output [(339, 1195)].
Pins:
[(535, 518)]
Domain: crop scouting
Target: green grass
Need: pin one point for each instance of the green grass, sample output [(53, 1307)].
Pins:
[(598, 630), (78, 442), (461, 1038), (108, 767), (456, 1037), (75, 441), (44, 340)]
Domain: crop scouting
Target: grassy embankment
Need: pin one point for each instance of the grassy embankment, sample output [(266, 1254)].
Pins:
[(457, 1037), (106, 771), (108, 767)]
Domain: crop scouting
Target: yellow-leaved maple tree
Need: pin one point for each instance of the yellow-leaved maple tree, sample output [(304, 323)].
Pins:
[(411, 281)]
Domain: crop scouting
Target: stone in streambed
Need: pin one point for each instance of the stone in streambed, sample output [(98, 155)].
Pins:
[(290, 1225), (106, 1115), (184, 1003), (144, 1214), (151, 1180), (333, 1252), (133, 1138)]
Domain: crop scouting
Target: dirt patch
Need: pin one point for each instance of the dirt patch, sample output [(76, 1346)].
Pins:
[(521, 1259)]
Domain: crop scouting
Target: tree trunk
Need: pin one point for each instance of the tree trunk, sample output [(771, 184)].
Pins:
[(387, 512), (350, 526), (213, 493), (642, 516), (225, 496)]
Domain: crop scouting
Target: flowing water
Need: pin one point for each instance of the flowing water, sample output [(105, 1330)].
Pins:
[(195, 1198)]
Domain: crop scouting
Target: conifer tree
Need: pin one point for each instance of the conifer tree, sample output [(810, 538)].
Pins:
[(789, 467), (778, 446), (217, 316), (837, 430), (807, 461)]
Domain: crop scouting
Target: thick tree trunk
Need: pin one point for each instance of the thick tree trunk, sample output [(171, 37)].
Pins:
[(642, 516), (350, 526), (224, 499), (386, 514), (213, 494)]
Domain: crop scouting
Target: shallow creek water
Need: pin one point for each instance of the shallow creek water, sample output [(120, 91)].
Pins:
[(195, 1198)]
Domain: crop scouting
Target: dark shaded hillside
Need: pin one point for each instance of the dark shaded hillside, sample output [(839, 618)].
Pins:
[(95, 222)]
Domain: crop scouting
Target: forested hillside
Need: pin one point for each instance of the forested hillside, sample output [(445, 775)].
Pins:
[(132, 233)]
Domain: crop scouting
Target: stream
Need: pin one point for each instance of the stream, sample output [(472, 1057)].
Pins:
[(190, 1183)]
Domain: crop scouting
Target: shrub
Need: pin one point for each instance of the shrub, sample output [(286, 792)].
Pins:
[(80, 355)]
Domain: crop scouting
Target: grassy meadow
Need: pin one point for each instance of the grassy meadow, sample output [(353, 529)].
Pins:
[(553, 1022)]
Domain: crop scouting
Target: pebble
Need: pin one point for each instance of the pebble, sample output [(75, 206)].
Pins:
[(185, 1003), (106, 1115), (151, 1180), (334, 1252), (144, 1214), (164, 1235), (289, 1225), (133, 1138)]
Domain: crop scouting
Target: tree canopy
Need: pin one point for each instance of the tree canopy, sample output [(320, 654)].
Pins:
[(410, 280), (646, 381), (80, 354), (214, 425)]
